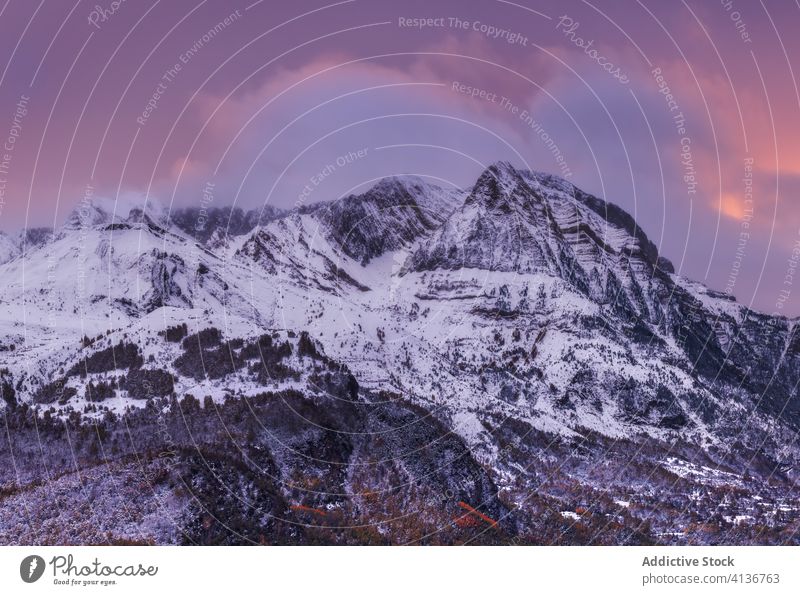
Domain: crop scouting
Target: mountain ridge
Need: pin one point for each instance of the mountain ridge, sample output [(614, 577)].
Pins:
[(531, 321)]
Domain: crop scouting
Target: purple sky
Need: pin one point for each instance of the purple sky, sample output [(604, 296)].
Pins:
[(265, 101)]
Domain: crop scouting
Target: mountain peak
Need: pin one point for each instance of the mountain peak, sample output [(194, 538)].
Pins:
[(401, 181), (502, 167), (412, 184), (524, 222), (501, 331), (103, 210), (496, 183), (391, 214)]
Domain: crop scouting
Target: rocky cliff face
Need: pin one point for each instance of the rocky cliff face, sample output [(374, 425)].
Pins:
[(515, 363), (527, 223), (25, 241), (214, 226), (389, 216)]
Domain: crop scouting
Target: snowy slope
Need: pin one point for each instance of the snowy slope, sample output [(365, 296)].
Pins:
[(523, 299), (520, 346), (8, 248)]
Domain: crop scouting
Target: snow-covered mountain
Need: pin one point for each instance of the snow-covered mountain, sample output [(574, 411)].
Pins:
[(520, 348), (28, 239), (8, 248), (215, 226)]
